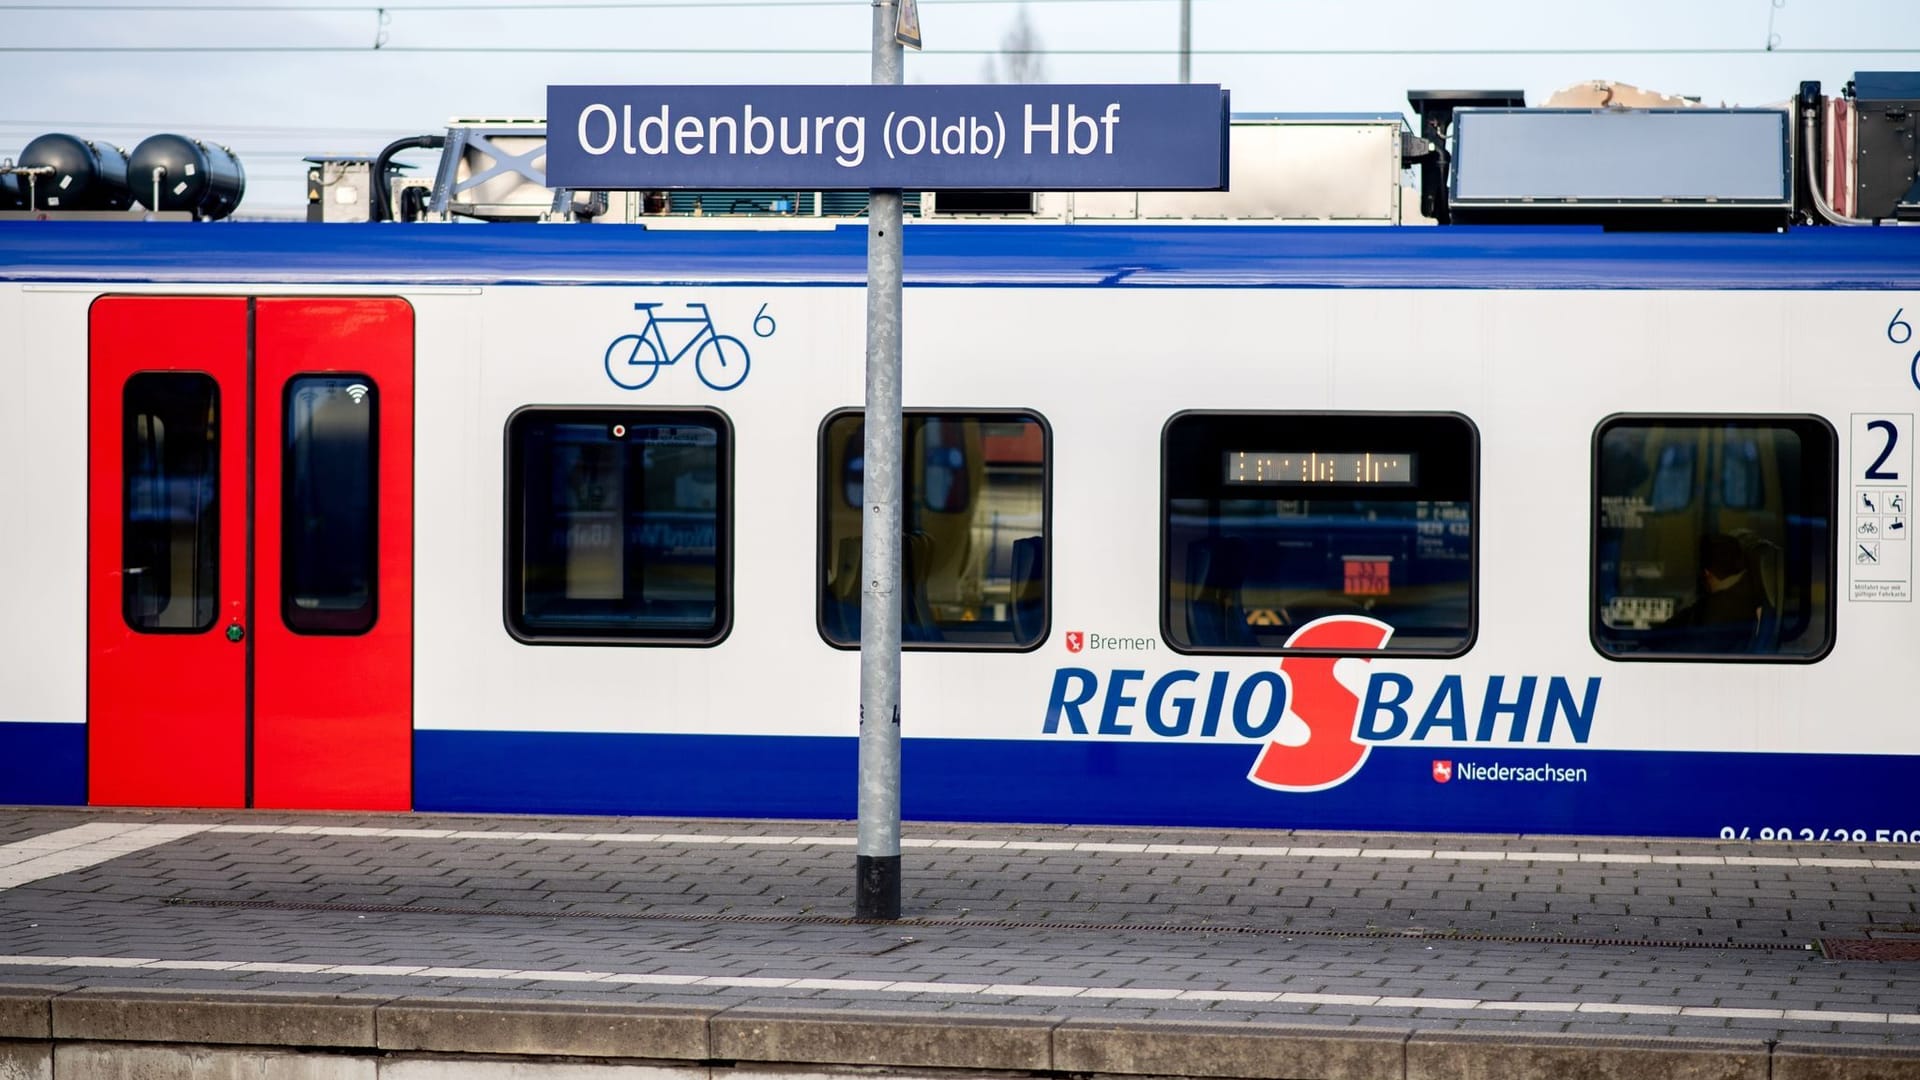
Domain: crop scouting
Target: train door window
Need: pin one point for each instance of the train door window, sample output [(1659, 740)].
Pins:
[(1742, 566), (329, 533), (1271, 521), (974, 506), (171, 502), (618, 526)]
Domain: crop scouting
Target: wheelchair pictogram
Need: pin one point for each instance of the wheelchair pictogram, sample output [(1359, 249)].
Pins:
[(720, 360)]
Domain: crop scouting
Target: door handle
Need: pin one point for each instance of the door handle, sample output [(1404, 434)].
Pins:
[(236, 633)]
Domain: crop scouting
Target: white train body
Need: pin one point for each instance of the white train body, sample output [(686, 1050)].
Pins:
[(1533, 717)]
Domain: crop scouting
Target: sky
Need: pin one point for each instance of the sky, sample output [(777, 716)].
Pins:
[(276, 80)]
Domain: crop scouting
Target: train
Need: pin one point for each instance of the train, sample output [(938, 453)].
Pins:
[(1502, 528)]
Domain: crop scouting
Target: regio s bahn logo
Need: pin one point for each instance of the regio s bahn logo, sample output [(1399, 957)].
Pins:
[(1333, 729)]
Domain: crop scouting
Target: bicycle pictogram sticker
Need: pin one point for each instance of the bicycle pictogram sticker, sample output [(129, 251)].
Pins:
[(720, 360)]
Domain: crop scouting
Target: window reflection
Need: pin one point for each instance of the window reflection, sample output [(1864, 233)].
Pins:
[(616, 525), (973, 544), (1738, 567), (170, 530), (329, 516), (1251, 556), (1251, 572)]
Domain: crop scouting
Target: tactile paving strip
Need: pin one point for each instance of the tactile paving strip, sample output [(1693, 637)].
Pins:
[(1870, 949), (989, 924)]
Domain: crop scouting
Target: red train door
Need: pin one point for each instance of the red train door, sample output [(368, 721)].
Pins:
[(166, 559), (250, 572)]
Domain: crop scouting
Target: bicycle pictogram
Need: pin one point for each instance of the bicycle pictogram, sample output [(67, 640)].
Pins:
[(633, 360)]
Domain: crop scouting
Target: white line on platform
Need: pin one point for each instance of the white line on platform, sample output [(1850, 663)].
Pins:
[(1035, 991), (63, 852), (1398, 852)]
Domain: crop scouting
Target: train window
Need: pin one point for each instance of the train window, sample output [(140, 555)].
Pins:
[(1271, 521), (170, 528), (1741, 567), (618, 526), (974, 505), (329, 541)]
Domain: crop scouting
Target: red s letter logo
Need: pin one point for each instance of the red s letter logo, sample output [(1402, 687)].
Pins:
[(1331, 754)]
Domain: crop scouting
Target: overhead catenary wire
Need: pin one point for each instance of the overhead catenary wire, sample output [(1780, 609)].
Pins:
[(752, 50), (569, 5), (384, 12)]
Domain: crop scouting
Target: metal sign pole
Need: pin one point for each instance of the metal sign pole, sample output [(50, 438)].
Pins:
[(1186, 41), (877, 858)]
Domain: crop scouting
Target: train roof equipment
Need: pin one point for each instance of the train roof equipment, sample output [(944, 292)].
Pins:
[(1483, 157)]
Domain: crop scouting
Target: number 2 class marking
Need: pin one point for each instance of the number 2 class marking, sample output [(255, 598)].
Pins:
[(1874, 472)]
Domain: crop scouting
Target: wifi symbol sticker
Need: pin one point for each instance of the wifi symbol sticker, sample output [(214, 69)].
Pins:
[(358, 392)]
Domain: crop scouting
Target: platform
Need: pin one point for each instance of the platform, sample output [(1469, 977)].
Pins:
[(212, 944)]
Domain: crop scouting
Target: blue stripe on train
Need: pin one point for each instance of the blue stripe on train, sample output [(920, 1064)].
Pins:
[(1016, 256), (1670, 793), (43, 764)]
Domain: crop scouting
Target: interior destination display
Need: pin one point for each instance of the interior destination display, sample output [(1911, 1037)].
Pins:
[(1319, 467)]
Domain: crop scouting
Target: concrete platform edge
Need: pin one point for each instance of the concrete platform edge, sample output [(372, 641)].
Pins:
[(37, 1022)]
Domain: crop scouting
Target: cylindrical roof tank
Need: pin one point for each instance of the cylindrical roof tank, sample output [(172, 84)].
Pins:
[(86, 175), (200, 177), (13, 194)]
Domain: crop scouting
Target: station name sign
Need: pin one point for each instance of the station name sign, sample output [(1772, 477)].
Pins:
[(1031, 137)]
